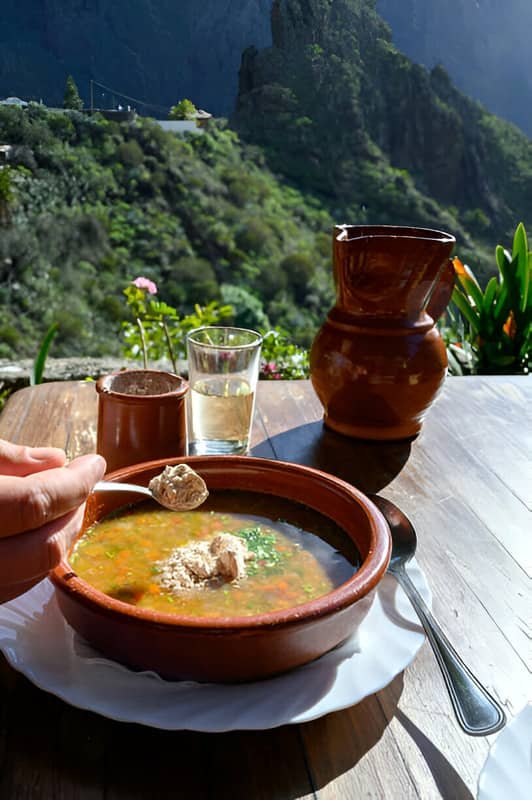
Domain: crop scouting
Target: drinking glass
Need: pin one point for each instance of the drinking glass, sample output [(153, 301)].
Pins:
[(223, 366)]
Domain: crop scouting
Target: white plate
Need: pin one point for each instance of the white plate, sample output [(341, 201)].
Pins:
[(507, 772), (37, 641)]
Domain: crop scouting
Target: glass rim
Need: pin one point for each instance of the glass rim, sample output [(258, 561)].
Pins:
[(249, 346)]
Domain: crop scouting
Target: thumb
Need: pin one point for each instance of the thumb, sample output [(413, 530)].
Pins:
[(20, 460)]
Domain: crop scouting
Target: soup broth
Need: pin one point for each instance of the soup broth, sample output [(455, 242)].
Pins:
[(297, 555)]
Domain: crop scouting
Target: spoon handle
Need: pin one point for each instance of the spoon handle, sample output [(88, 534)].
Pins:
[(110, 486), (476, 710)]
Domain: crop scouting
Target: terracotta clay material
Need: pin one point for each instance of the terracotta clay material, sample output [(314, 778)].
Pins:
[(141, 417), (378, 361), (237, 648)]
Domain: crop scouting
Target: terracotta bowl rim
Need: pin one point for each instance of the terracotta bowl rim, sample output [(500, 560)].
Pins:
[(364, 580), (178, 391)]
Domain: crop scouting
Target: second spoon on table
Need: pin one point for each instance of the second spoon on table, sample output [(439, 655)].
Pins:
[(476, 710)]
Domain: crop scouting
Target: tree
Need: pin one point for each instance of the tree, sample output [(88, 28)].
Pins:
[(185, 109), (6, 194), (72, 98)]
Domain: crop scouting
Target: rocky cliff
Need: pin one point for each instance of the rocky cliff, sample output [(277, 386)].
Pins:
[(483, 44), (344, 114), (156, 51), (162, 51)]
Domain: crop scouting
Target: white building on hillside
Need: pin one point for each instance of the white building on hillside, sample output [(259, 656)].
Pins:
[(181, 125), (13, 101)]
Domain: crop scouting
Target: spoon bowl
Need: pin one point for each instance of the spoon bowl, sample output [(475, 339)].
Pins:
[(404, 539)]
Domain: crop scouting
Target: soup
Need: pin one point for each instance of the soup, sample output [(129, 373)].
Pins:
[(293, 555)]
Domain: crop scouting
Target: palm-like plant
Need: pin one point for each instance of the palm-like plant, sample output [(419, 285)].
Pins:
[(497, 321)]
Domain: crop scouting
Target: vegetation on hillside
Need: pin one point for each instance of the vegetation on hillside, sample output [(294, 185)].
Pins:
[(72, 99), (185, 109), (483, 44), (336, 126), (344, 115), (87, 204)]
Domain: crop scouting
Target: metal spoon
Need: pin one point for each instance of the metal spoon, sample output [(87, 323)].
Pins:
[(476, 710), (183, 490), (111, 486)]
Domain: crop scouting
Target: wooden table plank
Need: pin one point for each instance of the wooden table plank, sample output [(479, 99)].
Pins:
[(354, 754), (464, 482), (424, 485), (435, 504), (459, 471), (47, 415)]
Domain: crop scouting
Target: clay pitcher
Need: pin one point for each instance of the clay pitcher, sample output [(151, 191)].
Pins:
[(378, 360)]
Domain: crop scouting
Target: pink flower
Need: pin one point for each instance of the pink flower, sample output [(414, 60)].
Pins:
[(270, 367), (145, 283), (270, 370)]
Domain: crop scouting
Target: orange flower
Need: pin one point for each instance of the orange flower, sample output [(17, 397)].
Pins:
[(510, 326), (458, 267)]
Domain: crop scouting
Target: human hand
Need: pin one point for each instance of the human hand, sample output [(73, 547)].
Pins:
[(41, 510)]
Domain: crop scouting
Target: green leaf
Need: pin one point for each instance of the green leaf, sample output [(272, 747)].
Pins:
[(527, 339), (472, 289), (511, 283), (40, 361), (520, 253), (464, 306), (455, 368), (502, 306), (520, 245), (502, 256), (489, 294), (529, 296)]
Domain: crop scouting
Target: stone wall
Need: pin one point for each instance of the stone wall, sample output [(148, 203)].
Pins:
[(16, 375)]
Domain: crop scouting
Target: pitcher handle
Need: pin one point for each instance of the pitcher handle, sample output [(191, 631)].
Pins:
[(442, 292)]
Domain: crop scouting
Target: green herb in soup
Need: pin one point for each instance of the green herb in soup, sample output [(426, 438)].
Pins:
[(291, 555), (268, 554)]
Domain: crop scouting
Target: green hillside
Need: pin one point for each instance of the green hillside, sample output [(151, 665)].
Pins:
[(87, 205)]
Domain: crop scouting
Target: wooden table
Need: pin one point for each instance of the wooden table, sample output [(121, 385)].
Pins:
[(465, 482)]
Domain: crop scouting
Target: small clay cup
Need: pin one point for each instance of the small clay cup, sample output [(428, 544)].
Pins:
[(141, 417)]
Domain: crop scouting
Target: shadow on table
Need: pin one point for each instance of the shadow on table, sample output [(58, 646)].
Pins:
[(447, 779), (337, 743), (370, 466)]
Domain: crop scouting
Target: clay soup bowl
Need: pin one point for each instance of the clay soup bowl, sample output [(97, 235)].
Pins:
[(231, 649)]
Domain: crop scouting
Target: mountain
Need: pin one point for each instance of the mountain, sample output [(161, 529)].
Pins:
[(158, 52), (163, 51), (343, 114), (483, 44)]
